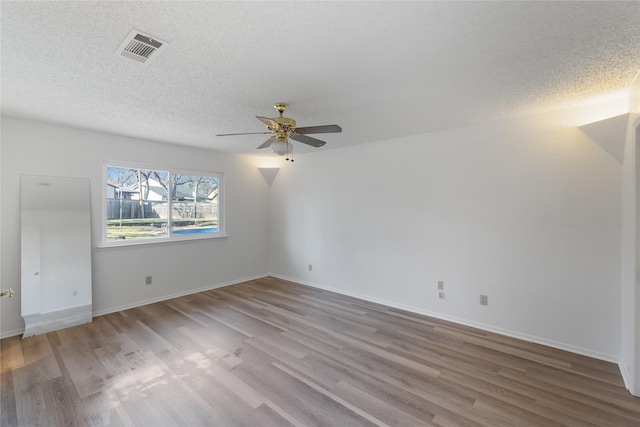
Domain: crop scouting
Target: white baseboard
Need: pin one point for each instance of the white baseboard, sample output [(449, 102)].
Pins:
[(174, 295), (41, 323), (515, 334), (12, 333), (627, 377), (15, 332), (507, 332)]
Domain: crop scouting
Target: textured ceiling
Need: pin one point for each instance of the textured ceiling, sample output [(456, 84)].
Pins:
[(378, 69)]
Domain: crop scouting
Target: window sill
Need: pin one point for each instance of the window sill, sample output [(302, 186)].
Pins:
[(142, 242)]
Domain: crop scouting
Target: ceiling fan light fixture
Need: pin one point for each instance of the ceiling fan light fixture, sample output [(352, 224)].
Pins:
[(281, 147)]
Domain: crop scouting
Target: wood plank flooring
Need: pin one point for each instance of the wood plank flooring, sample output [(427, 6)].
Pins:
[(274, 353)]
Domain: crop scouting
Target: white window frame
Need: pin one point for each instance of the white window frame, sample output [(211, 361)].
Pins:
[(221, 233)]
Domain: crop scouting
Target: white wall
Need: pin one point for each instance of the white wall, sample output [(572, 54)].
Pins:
[(526, 211), (630, 262), (630, 309), (30, 147)]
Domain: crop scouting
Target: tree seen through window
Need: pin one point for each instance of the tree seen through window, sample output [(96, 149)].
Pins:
[(154, 204)]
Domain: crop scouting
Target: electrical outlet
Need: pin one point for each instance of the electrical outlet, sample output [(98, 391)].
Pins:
[(148, 280), (310, 267), (440, 285), (484, 300)]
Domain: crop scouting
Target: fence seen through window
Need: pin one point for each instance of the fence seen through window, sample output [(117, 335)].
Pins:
[(155, 204)]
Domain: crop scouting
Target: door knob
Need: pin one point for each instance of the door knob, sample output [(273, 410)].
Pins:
[(8, 293)]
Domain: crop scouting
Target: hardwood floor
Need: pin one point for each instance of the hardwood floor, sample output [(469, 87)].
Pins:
[(274, 353)]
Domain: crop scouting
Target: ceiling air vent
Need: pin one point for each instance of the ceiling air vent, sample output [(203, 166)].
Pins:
[(141, 47)]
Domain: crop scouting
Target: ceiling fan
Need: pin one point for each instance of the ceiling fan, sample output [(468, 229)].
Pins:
[(284, 128)]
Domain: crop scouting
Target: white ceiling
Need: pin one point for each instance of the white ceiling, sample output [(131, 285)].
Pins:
[(378, 69)]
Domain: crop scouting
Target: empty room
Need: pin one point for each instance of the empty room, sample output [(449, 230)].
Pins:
[(316, 213)]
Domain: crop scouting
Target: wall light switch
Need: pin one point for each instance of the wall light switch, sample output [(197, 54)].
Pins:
[(440, 285)]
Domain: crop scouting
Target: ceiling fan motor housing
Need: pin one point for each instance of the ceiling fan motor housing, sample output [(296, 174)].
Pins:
[(285, 122), (286, 127)]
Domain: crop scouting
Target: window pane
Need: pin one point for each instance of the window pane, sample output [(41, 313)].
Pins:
[(194, 204), (136, 204)]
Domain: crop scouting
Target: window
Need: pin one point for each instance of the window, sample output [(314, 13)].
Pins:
[(144, 205)]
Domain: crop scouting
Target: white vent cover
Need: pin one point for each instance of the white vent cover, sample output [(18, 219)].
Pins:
[(140, 46)]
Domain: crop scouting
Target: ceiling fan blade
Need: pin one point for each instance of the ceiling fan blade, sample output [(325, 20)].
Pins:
[(265, 144), (269, 122), (320, 129), (246, 133), (308, 140)]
